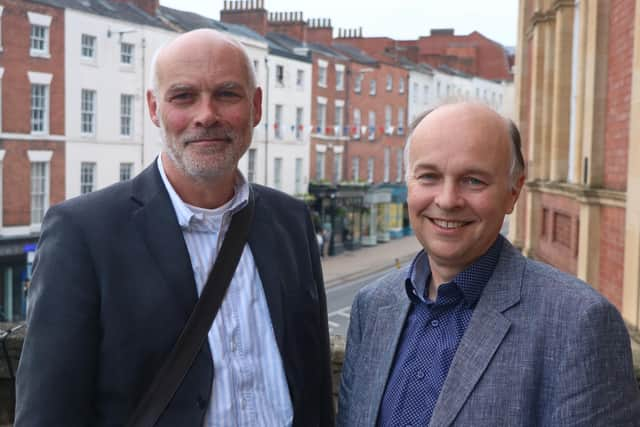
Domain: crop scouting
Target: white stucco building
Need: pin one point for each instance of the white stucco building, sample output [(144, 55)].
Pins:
[(286, 82), (109, 135), (430, 87)]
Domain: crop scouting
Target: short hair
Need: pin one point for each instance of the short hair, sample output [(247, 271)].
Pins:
[(153, 72), (517, 160)]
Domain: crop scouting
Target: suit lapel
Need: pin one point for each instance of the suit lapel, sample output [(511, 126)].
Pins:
[(156, 220), (483, 337), (389, 323), (264, 244)]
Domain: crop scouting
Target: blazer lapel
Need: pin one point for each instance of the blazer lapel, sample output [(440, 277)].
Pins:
[(264, 244), (389, 323), (484, 335), (156, 220)]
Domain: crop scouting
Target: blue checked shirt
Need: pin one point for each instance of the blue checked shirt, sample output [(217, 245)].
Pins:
[(249, 385), (431, 335)]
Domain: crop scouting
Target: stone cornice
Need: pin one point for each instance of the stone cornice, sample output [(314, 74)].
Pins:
[(579, 193), (559, 4)]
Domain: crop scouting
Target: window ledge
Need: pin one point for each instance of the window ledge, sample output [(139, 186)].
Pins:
[(39, 54)]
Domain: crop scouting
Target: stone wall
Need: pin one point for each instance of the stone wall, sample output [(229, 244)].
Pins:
[(14, 345)]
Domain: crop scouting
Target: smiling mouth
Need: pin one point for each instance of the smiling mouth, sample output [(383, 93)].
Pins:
[(449, 225)]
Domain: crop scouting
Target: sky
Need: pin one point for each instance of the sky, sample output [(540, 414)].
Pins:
[(407, 19)]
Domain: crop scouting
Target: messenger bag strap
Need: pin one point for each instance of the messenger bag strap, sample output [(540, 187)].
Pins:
[(175, 368)]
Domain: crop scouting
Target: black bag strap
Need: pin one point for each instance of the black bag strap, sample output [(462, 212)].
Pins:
[(175, 367)]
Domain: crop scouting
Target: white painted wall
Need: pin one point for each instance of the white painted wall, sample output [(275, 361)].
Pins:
[(109, 78), (445, 88), (288, 148)]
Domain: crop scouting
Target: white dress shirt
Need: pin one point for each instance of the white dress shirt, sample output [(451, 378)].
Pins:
[(249, 384)]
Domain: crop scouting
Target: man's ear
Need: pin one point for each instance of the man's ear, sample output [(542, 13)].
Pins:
[(257, 106), (515, 193), (152, 103)]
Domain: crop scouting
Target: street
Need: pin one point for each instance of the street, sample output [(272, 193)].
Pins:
[(340, 297)]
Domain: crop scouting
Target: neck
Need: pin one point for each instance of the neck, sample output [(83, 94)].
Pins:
[(439, 275), (208, 193)]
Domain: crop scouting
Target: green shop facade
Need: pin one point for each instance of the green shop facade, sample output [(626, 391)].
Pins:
[(354, 215)]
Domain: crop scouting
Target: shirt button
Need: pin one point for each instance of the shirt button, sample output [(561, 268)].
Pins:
[(420, 375), (435, 323)]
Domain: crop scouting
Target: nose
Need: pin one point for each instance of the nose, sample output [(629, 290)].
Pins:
[(448, 197), (207, 112)]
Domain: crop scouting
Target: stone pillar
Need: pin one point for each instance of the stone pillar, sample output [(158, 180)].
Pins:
[(535, 156), (537, 99), (532, 232), (548, 83), (631, 286), (561, 110), (578, 125), (588, 268), (595, 92), (522, 69)]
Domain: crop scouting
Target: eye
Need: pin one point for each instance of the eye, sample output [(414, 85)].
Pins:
[(181, 97), (473, 182), (228, 94), (427, 177)]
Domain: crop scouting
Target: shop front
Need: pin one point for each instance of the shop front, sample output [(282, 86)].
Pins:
[(16, 259), (338, 210), (398, 219)]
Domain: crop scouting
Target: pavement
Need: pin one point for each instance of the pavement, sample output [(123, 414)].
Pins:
[(351, 265)]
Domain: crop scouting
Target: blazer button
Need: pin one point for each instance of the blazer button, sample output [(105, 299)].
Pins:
[(202, 404)]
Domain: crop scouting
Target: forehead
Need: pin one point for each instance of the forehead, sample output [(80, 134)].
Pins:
[(202, 61), (466, 137)]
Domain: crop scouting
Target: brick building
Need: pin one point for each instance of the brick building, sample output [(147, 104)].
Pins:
[(32, 142), (358, 118), (473, 54), (575, 101)]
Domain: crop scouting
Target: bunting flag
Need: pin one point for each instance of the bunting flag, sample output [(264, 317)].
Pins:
[(363, 129)]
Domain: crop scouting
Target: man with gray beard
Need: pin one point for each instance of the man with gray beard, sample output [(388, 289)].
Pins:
[(118, 272)]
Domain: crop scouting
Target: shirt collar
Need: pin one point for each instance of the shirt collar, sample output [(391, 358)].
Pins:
[(471, 281), (186, 217)]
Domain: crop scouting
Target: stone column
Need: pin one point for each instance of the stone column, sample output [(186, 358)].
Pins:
[(578, 125), (588, 268), (522, 69), (595, 92), (631, 286), (548, 85), (535, 156), (561, 110)]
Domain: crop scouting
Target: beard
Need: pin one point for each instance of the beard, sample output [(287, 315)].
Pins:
[(210, 161)]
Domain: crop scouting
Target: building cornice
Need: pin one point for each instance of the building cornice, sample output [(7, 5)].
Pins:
[(579, 193)]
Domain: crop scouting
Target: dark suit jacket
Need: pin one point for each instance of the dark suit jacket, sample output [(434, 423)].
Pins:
[(542, 349), (113, 287)]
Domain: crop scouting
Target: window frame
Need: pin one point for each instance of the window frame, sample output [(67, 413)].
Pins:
[(87, 177), (88, 116)]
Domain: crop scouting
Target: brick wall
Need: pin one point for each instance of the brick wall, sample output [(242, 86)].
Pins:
[(15, 58), (558, 239), (618, 93), (16, 108), (364, 148), (612, 223), (17, 179), (329, 92)]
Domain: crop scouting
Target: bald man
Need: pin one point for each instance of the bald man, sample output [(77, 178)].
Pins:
[(118, 272), (471, 333)]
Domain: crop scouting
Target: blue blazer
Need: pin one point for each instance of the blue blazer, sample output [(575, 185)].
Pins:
[(113, 287), (542, 349)]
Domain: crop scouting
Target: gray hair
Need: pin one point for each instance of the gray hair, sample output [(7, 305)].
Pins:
[(153, 72), (516, 169)]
